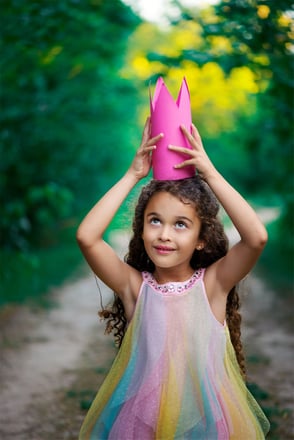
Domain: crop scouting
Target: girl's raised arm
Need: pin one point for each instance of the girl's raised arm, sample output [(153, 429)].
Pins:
[(116, 274), (228, 271)]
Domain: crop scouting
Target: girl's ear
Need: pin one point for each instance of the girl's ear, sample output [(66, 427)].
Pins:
[(200, 245)]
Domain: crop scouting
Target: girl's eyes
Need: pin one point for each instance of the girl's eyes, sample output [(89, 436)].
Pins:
[(178, 225), (154, 221), (181, 225)]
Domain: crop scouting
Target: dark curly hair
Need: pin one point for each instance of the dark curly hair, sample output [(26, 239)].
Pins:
[(196, 191)]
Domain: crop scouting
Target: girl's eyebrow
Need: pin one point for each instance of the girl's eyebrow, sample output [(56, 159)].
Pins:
[(179, 217), (182, 217), (153, 213)]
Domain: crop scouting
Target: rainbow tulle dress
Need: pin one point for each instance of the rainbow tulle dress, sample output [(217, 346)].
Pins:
[(176, 375)]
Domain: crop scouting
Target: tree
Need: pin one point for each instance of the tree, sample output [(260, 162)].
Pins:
[(260, 35), (63, 106)]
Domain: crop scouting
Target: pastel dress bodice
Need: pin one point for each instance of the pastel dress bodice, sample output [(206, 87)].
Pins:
[(176, 375)]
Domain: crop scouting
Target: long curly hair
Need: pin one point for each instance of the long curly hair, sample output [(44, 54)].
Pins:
[(194, 191)]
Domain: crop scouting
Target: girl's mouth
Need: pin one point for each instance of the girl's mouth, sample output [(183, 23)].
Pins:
[(163, 250)]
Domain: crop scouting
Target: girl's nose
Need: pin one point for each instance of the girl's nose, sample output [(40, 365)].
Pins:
[(165, 233)]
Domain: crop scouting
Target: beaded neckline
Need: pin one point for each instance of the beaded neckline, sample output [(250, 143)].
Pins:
[(176, 287)]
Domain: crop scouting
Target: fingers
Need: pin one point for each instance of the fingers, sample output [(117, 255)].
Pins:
[(187, 152), (146, 130), (194, 137), (147, 149), (182, 150), (148, 145), (156, 138), (151, 142), (185, 164), (195, 134), (187, 134), (147, 133)]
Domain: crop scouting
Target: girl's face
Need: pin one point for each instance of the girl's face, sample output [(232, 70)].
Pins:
[(171, 232)]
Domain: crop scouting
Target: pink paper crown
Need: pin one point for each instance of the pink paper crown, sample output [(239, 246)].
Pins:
[(166, 117)]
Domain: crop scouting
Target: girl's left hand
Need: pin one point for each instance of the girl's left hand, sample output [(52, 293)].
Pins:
[(198, 157)]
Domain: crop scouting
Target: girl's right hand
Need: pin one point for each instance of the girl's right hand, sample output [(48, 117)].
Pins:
[(141, 164)]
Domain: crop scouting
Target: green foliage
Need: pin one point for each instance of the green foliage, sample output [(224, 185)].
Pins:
[(63, 107), (65, 131), (261, 37), (29, 276)]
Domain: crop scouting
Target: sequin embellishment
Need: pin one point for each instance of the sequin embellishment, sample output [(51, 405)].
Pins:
[(172, 288)]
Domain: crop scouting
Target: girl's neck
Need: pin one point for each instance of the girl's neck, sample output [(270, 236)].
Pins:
[(167, 275)]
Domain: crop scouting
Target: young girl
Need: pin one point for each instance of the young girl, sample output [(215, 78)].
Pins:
[(179, 373)]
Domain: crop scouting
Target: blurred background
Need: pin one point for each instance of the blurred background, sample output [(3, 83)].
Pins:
[(74, 97), (74, 88)]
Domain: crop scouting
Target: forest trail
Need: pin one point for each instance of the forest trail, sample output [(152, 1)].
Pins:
[(53, 361), (43, 352)]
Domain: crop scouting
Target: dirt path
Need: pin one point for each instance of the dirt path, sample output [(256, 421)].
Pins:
[(268, 343), (43, 354), (53, 361)]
